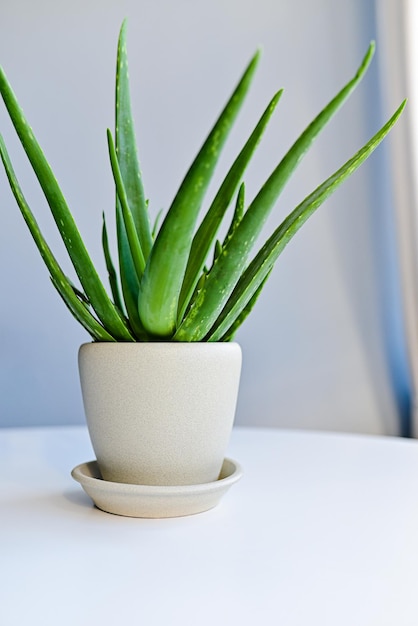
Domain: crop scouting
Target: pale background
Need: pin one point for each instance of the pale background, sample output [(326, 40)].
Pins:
[(324, 347)]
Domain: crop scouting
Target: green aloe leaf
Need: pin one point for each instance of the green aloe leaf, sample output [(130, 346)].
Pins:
[(113, 279), (225, 273), (244, 313), (135, 260), (238, 214), (65, 288), (80, 294), (96, 293), (126, 147), (255, 275), (162, 281), (206, 233), (126, 151), (156, 223), (128, 220)]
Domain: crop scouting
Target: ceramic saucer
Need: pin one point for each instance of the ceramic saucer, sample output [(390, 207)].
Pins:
[(151, 501)]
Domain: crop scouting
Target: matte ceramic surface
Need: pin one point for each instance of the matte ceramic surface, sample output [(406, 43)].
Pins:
[(160, 413), (154, 501)]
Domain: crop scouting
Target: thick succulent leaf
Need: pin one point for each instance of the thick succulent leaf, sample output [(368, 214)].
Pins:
[(238, 214), (126, 148), (128, 277), (130, 285), (206, 233), (161, 284), (113, 279), (230, 333), (156, 224), (258, 270), (128, 220), (225, 273), (132, 257), (90, 324), (126, 151), (198, 287), (79, 256), (80, 294), (218, 250), (65, 288)]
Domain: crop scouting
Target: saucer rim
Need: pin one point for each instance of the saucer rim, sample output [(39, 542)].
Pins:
[(79, 475)]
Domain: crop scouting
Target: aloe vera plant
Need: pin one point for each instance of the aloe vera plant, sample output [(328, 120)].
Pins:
[(178, 282)]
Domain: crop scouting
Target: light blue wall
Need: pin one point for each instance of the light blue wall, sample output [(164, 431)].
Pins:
[(324, 348)]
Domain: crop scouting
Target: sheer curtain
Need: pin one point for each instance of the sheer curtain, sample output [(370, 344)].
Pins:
[(397, 24)]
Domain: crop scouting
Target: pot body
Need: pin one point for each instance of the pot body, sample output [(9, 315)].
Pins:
[(160, 413)]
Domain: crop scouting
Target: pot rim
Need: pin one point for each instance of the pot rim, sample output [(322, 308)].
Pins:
[(169, 345)]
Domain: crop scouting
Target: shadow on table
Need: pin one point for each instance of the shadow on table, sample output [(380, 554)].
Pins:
[(79, 498)]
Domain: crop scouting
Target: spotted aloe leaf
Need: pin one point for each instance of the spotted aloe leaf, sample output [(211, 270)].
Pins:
[(113, 277), (164, 273), (244, 312), (127, 155), (173, 287), (64, 286), (134, 242), (96, 293), (254, 276), (226, 272), (207, 230)]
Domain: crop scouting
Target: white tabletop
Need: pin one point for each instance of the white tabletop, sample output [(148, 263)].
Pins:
[(321, 530)]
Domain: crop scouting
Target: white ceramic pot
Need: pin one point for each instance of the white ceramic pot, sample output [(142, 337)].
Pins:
[(160, 413)]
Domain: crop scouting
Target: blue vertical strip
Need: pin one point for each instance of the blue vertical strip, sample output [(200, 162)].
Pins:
[(385, 247)]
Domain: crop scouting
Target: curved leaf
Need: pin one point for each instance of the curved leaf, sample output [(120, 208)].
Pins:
[(126, 148), (126, 151), (161, 284), (224, 275), (96, 293), (113, 279), (128, 220), (206, 233), (263, 262), (60, 281)]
